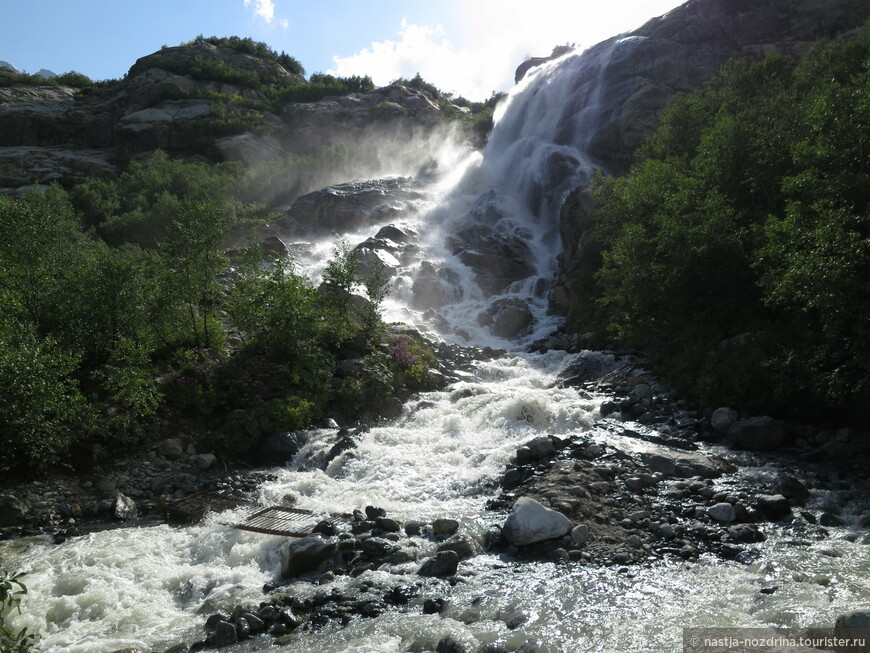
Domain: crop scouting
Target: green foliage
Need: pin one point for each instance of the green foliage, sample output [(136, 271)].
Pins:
[(72, 78), (377, 287), (417, 82), (143, 201), (192, 251), (40, 407), (738, 248), (255, 48), (320, 86), (12, 589), (339, 282)]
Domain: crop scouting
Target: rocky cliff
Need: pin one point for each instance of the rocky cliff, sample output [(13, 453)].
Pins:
[(676, 53), (193, 101)]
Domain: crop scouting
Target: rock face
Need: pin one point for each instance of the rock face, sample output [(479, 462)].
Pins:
[(530, 522), (169, 100), (347, 207), (498, 259), (675, 53)]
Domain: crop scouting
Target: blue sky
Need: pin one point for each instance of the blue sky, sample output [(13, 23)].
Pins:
[(469, 47)]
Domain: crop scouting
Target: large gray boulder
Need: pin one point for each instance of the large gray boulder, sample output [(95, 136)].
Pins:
[(305, 555), (685, 465), (346, 207), (853, 624), (758, 433), (443, 563), (498, 259), (531, 522)]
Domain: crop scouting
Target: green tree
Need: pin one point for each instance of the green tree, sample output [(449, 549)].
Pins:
[(193, 250)]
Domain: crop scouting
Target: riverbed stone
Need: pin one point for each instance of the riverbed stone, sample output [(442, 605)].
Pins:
[(530, 522), (445, 527), (123, 508), (443, 563), (722, 419), (305, 555), (722, 512), (464, 546), (851, 624), (225, 634), (684, 465), (580, 535), (773, 506)]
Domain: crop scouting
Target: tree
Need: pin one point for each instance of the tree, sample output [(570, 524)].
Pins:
[(193, 250)]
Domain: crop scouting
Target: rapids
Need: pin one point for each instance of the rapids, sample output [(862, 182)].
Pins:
[(152, 587)]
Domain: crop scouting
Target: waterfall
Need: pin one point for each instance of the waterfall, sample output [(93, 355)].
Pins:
[(493, 241)]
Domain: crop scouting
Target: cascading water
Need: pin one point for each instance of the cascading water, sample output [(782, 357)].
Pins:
[(151, 587)]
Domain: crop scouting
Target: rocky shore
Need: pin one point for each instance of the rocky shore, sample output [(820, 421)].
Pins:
[(655, 478), (579, 499)]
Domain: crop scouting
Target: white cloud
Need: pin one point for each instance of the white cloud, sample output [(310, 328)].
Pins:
[(265, 9), (501, 34)]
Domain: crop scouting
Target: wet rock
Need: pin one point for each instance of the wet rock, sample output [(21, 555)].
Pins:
[(722, 419), (830, 519), (305, 555), (225, 634), (773, 506), (464, 546), (542, 447), (497, 259), (685, 465), (793, 489), (722, 512), (758, 433), (123, 508), (450, 645), (444, 563), (13, 511), (373, 513), (255, 624), (203, 460), (434, 606), (854, 624), (377, 547), (412, 527), (510, 318), (400, 595), (243, 628), (531, 522), (388, 525), (445, 527), (212, 622)]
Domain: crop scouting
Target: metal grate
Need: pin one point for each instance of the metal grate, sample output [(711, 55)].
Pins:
[(277, 520)]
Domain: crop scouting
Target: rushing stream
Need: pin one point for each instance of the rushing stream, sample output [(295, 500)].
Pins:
[(152, 586)]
